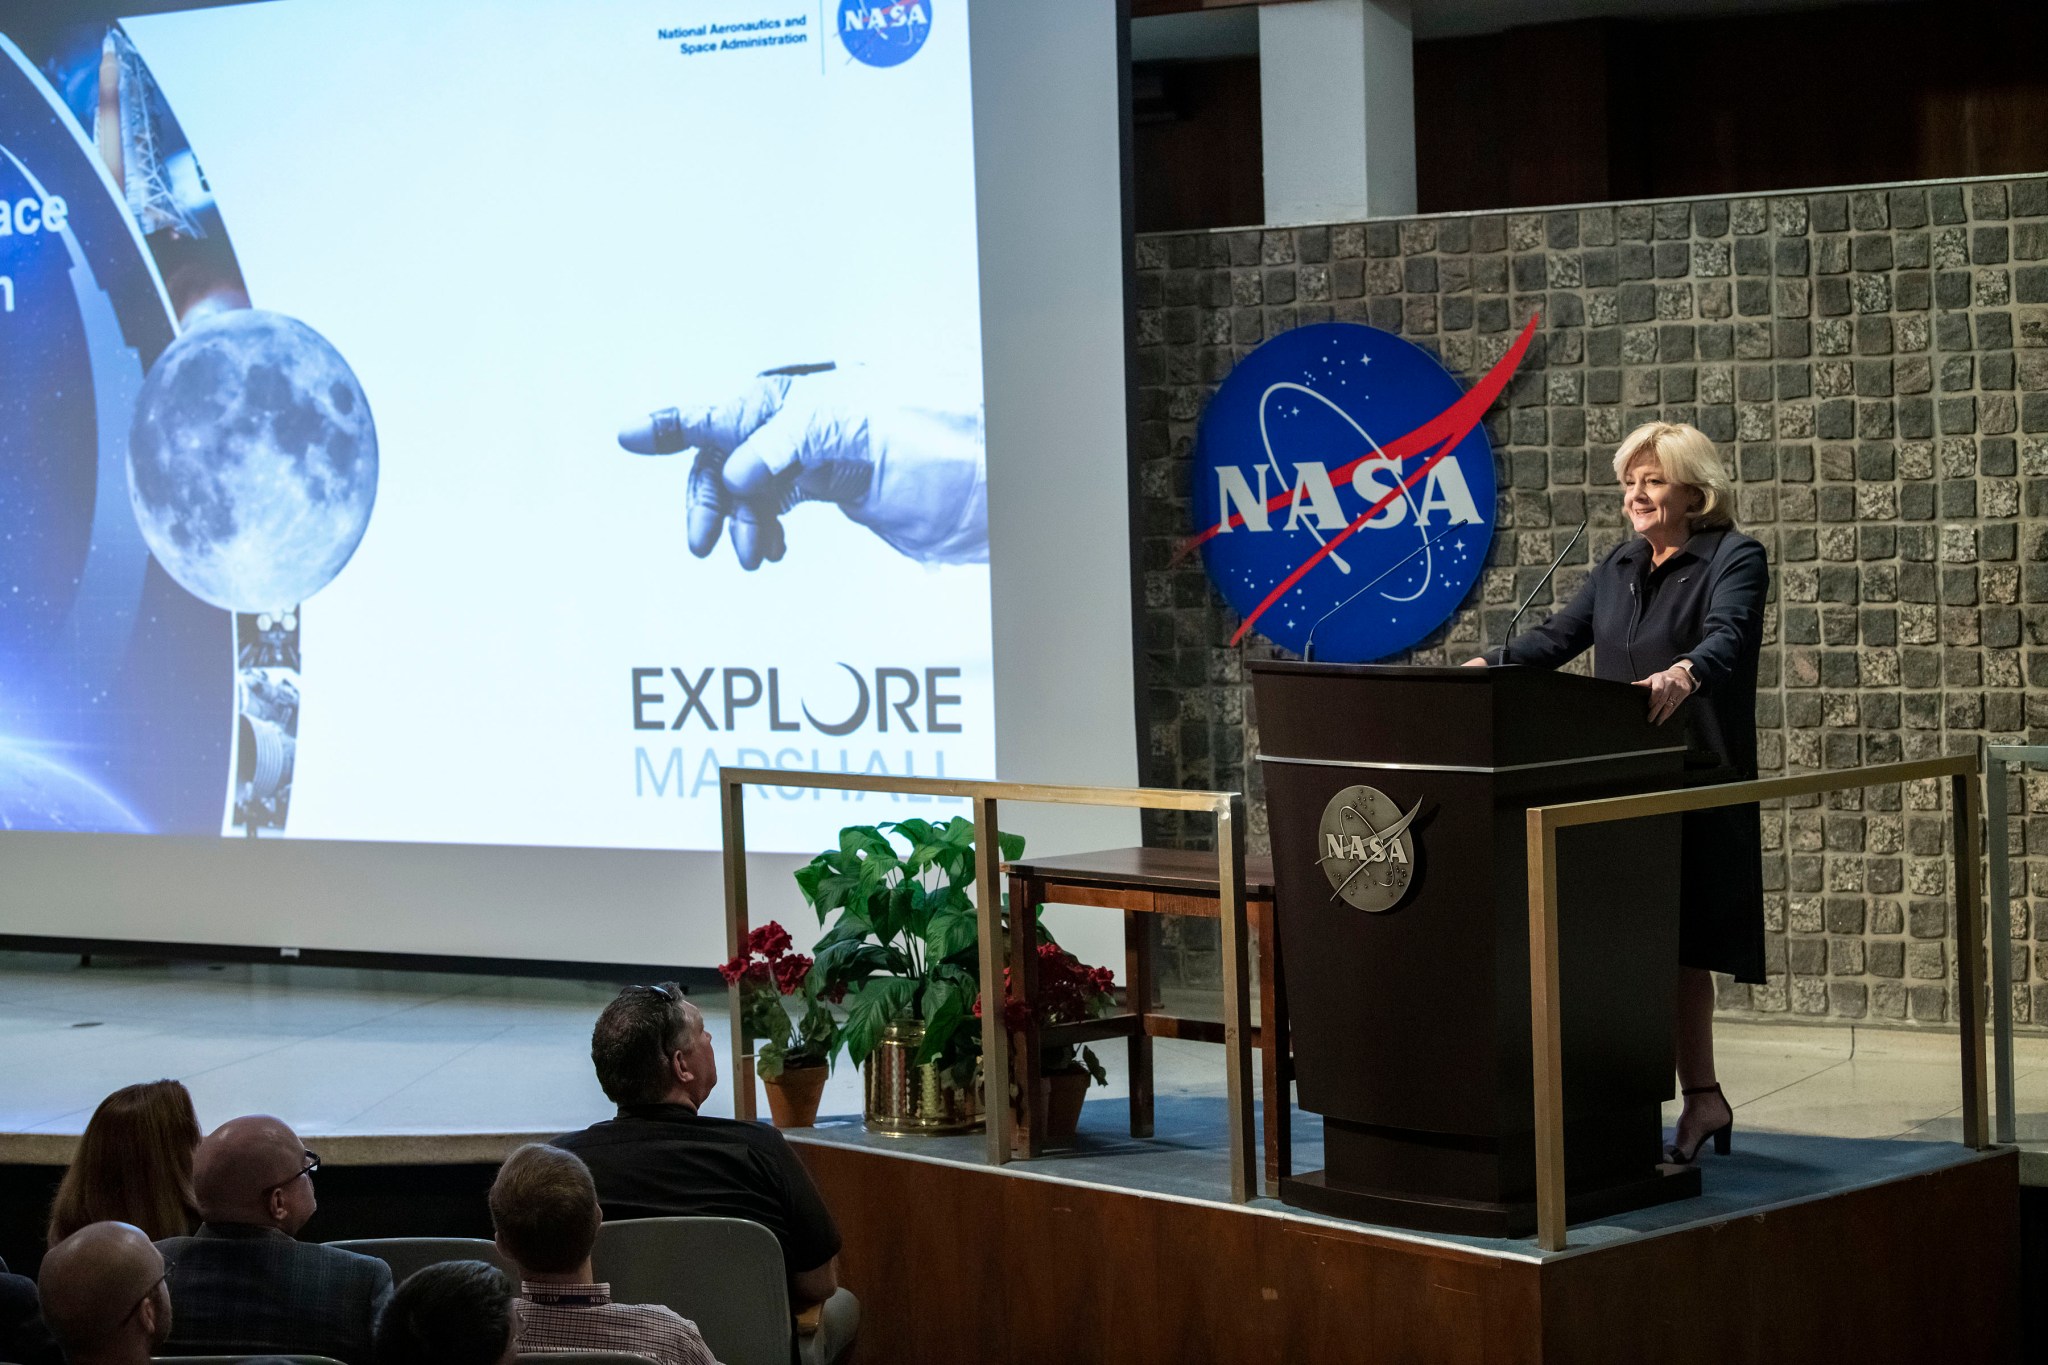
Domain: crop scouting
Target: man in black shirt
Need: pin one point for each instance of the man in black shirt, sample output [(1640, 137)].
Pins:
[(661, 1158)]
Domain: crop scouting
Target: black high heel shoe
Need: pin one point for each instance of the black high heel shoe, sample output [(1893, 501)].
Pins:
[(1723, 1136)]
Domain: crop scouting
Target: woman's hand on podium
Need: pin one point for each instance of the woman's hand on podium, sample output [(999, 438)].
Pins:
[(1476, 661), (1667, 690)]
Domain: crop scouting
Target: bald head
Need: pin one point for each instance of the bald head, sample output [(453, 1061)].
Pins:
[(101, 1286), (248, 1171)]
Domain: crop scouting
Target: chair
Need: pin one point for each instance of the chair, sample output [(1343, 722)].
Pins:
[(580, 1358), (406, 1255), (724, 1274)]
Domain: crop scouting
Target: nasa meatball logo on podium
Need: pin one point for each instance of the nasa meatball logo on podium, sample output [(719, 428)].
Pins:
[(1334, 455)]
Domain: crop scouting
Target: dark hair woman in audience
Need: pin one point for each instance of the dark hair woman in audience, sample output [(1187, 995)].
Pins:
[(134, 1165)]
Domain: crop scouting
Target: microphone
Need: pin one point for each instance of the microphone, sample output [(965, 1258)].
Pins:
[(1506, 640), (1308, 646)]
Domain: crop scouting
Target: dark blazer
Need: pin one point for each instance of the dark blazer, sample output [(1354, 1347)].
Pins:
[(240, 1290), (1705, 604)]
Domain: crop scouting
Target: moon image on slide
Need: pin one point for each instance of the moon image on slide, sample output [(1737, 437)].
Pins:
[(252, 461)]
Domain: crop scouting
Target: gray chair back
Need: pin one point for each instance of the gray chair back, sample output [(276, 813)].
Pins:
[(407, 1254), (724, 1274)]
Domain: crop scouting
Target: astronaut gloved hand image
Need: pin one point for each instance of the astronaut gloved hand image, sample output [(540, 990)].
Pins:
[(913, 472)]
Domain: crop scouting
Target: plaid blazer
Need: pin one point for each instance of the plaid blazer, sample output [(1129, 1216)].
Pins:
[(241, 1290)]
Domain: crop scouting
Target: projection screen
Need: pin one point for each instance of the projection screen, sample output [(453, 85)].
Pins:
[(438, 436)]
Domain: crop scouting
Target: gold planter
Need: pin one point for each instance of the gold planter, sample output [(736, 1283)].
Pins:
[(904, 1098)]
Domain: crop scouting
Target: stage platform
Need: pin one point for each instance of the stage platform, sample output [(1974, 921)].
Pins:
[(1873, 1229), (1802, 1248)]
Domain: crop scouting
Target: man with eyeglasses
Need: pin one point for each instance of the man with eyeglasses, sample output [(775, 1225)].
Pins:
[(243, 1283), (104, 1297)]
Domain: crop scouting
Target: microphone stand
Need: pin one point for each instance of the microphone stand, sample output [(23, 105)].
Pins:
[(1509, 637), (1308, 646)]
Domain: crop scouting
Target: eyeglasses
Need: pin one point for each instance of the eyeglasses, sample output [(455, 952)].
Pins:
[(663, 989), (147, 1294), (312, 1166)]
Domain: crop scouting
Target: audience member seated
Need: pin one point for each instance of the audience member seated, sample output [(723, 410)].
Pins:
[(243, 1283), (454, 1313), (104, 1295), (23, 1337), (134, 1165), (661, 1158), (545, 1211)]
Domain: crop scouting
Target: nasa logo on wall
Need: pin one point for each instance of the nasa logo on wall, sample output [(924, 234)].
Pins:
[(879, 33), (1331, 455), (1366, 849)]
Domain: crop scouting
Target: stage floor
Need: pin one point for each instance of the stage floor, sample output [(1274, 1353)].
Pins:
[(425, 1067)]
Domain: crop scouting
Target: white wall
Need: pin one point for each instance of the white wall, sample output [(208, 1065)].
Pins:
[(1047, 140)]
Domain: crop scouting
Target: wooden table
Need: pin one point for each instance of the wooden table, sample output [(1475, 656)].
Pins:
[(1140, 882)]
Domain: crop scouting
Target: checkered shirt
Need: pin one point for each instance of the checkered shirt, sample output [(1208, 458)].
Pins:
[(582, 1317)]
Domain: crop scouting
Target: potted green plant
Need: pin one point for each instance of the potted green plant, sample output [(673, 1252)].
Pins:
[(1069, 992), (900, 950), (795, 1054)]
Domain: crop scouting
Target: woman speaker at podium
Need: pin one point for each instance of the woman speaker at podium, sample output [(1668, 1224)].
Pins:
[(1677, 609)]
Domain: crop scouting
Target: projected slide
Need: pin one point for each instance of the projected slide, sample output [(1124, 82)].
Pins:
[(476, 423)]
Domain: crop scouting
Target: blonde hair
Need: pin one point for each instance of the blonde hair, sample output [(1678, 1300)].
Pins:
[(1687, 457)]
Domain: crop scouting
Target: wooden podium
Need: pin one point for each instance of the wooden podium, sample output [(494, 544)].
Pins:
[(1411, 1022)]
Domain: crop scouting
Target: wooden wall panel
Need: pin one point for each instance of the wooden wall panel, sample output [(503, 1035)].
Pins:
[(1925, 1269), (1621, 109), (958, 1263)]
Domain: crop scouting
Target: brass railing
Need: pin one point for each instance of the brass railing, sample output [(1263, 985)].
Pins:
[(1999, 863), (1227, 807), (1546, 1039)]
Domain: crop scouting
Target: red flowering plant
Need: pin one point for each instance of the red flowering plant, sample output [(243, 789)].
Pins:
[(766, 971), (1069, 991)]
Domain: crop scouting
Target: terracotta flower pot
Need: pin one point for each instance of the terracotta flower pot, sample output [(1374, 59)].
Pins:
[(793, 1096), (1060, 1097)]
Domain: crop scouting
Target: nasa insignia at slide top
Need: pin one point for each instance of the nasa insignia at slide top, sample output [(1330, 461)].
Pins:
[(327, 408)]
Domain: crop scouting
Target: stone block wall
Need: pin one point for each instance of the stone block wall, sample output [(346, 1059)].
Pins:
[(1874, 367)]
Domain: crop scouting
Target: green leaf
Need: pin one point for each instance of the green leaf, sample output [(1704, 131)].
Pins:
[(916, 907), (850, 927), (951, 931), (762, 1015), (865, 840), (945, 1005), (915, 830), (879, 1003), (808, 876), (852, 961), (831, 892), (1011, 846)]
